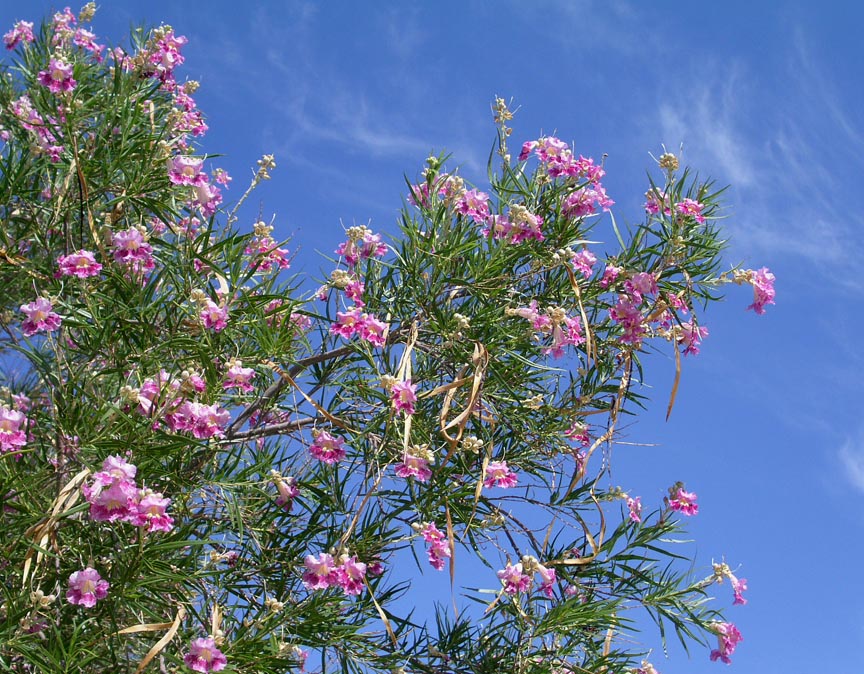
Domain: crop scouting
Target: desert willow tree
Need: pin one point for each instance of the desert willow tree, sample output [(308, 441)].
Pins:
[(205, 464)]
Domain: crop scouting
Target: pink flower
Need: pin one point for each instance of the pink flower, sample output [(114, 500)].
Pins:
[(203, 421), (684, 502), (610, 274), (691, 208), (578, 432), (634, 505), (327, 448), (184, 170), (320, 572), (239, 377), (287, 488), (403, 396), (439, 547), (691, 336), (627, 314), (763, 289), (12, 437), (583, 261), (474, 204), (111, 501), (150, 512), (355, 322), (40, 317), (414, 466), (205, 656), (498, 474), (81, 264), (86, 587), (350, 574), (547, 579), (22, 31), (207, 198), (131, 248), (643, 283), (728, 637), (514, 580), (58, 76), (213, 316)]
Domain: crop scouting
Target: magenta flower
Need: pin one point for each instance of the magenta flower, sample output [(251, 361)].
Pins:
[(80, 264), (207, 198), (514, 580), (691, 336), (728, 637), (548, 577), (327, 448), (640, 284), (22, 31), (12, 437), (414, 466), (439, 546), (610, 275), (475, 205), (58, 76), (691, 208), (150, 512), (350, 574), (498, 474), (684, 502), (40, 317), (86, 587), (628, 315), (213, 316), (205, 656), (131, 248), (203, 421), (763, 289), (403, 394)]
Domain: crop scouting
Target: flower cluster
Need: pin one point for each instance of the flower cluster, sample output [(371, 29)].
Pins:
[(45, 131), (266, 255), (762, 281), (564, 330), (22, 31), (362, 244), (739, 585), (167, 398), (344, 572), (439, 547), (355, 321), (656, 201), (113, 496)]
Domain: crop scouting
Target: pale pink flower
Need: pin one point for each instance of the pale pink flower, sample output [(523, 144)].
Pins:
[(12, 436), (40, 317), (640, 284), (513, 579), (203, 421), (81, 264), (498, 474), (474, 204), (739, 587), (728, 637), (320, 572), (548, 577), (184, 170), (634, 506), (207, 197), (57, 77), (287, 488), (131, 248), (239, 377), (583, 261), (627, 314), (86, 587), (403, 394), (578, 432), (204, 656), (684, 502), (763, 289), (22, 31), (327, 448), (610, 275)]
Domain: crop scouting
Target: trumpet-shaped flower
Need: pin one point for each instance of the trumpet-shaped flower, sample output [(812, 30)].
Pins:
[(204, 656), (86, 587), (40, 317)]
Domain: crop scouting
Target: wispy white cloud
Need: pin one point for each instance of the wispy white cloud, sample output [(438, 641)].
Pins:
[(792, 196), (851, 457)]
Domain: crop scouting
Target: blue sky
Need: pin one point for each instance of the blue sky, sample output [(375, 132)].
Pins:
[(768, 427)]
